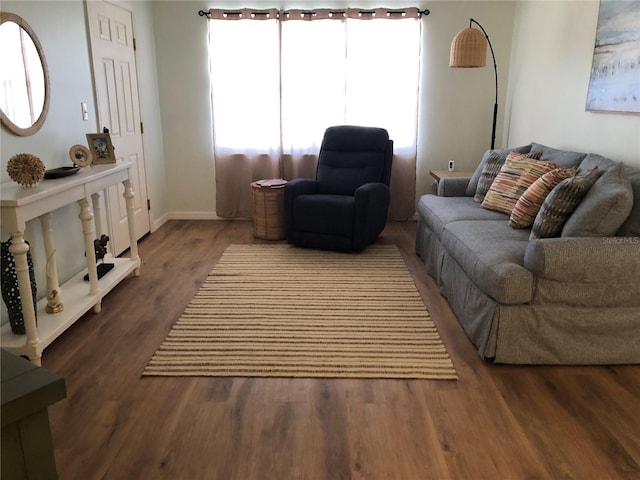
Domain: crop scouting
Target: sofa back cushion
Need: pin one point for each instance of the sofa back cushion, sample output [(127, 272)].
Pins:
[(562, 158), (604, 208), (595, 160), (631, 226)]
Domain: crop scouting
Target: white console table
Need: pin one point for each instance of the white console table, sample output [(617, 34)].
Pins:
[(19, 205)]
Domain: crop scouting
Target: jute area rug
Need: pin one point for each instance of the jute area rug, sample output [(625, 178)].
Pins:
[(280, 311)]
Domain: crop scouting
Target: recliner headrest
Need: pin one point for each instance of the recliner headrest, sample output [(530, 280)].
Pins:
[(355, 138)]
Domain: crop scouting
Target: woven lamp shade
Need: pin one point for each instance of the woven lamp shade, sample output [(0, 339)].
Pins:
[(468, 49)]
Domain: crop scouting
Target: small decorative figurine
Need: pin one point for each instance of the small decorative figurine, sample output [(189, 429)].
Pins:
[(100, 247), (54, 305), (100, 250)]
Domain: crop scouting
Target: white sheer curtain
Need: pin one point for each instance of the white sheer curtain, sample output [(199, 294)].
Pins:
[(278, 83)]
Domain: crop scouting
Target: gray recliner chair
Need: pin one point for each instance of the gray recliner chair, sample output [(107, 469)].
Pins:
[(345, 208)]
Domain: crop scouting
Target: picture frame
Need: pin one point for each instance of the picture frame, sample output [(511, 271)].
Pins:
[(80, 155), (613, 84), (101, 148)]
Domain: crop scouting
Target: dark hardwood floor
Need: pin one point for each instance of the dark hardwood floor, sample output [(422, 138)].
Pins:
[(495, 422)]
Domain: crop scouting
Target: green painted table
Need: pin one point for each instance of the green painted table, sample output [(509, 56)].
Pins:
[(27, 391)]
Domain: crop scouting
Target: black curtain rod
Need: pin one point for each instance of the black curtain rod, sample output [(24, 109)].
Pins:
[(424, 12)]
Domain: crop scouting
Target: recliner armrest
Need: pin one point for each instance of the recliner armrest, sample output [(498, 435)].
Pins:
[(292, 190), (301, 186), (375, 188), (453, 187), (371, 202)]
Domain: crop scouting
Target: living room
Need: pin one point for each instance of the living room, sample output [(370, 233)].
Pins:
[(543, 53)]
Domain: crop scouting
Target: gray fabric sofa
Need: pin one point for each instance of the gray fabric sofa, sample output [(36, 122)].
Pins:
[(564, 300)]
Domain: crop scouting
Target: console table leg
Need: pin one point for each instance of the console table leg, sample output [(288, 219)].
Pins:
[(86, 216), (97, 213), (131, 222), (19, 250)]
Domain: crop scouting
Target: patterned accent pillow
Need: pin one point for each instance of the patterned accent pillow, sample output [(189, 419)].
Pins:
[(526, 208), (492, 169), (560, 204), (489, 173), (516, 175)]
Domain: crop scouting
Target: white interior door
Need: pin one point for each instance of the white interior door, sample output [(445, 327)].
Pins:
[(116, 85)]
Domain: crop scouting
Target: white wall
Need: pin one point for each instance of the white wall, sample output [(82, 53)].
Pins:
[(61, 29), (143, 29), (185, 103), (550, 66), (68, 61), (456, 104)]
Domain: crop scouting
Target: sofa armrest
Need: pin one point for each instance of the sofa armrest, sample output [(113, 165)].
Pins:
[(585, 259), (453, 187)]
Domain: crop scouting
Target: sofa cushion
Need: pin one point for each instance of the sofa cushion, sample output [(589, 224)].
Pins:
[(526, 208), (560, 204), (562, 158), (436, 211), (604, 208), (473, 183), (491, 170), (631, 227), (489, 173), (492, 256), (516, 175), (595, 160)]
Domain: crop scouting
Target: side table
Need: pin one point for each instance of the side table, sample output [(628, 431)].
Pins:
[(27, 391), (268, 209), (440, 174)]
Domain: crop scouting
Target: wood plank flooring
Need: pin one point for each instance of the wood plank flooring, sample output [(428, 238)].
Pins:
[(496, 422)]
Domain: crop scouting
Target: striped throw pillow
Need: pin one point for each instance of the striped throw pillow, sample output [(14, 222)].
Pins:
[(560, 204), (516, 175), (526, 208), (491, 170)]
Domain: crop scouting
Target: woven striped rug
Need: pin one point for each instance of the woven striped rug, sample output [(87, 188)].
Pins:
[(280, 311)]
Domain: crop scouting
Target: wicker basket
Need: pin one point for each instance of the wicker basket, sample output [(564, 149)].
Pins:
[(268, 212)]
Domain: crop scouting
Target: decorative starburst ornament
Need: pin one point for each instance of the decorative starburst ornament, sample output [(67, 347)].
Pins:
[(25, 169)]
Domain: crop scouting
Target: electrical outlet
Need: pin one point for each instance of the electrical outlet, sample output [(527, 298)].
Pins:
[(451, 165)]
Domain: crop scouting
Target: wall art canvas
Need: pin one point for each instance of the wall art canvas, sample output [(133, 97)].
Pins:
[(615, 72)]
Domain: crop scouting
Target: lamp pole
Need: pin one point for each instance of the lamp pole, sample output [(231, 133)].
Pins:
[(495, 70)]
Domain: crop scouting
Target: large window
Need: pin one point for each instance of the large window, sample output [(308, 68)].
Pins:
[(279, 79)]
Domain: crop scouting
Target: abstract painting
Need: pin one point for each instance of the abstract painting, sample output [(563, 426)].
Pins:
[(615, 72)]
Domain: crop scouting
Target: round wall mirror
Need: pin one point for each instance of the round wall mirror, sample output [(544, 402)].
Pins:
[(24, 78)]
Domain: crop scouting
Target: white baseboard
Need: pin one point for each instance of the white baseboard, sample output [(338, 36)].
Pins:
[(158, 222), (198, 216)]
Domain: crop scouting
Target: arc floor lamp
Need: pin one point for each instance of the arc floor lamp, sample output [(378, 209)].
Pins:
[(469, 50)]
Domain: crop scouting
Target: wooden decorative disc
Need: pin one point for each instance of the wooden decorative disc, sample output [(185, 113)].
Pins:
[(80, 155)]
